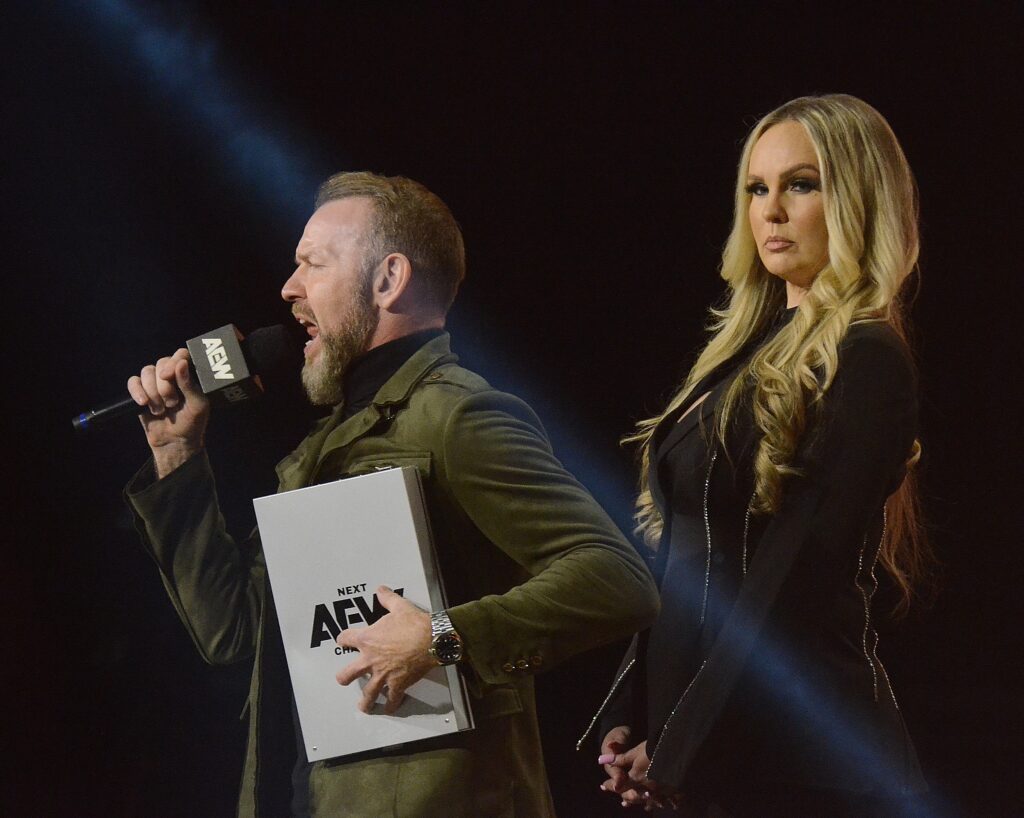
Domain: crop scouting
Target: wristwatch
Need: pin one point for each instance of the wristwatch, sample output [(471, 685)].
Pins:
[(446, 644)]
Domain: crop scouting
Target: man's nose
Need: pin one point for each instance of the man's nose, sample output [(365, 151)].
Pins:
[(293, 288)]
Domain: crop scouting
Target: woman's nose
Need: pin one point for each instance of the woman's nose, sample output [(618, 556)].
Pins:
[(773, 211)]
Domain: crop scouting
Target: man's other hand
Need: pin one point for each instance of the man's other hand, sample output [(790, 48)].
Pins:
[(178, 410), (394, 651)]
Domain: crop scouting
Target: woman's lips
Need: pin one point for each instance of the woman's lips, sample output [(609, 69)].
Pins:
[(776, 245)]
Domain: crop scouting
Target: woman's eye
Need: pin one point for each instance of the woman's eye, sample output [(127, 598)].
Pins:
[(803, 185), (757, 189)]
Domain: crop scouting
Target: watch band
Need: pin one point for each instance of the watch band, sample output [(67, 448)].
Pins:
[(446, 644), (440, 622)]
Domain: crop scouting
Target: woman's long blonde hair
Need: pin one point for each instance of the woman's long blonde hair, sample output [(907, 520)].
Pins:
[(871, 211)]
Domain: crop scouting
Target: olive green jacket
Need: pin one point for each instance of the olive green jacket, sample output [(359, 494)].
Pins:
[(534, 569)]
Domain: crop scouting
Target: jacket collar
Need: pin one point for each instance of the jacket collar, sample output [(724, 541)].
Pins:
[(296, 470), (434, 353), (702, 416)]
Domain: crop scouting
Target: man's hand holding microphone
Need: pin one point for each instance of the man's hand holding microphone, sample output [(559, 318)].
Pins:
[(178, 411)]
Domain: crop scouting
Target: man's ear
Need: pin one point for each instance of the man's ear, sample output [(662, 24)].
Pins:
[(391, 281)]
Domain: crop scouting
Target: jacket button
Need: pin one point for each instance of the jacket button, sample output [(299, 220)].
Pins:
[(434, 376), (522, 664), (508, 667)]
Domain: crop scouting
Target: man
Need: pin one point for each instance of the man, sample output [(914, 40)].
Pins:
[(535, 571)]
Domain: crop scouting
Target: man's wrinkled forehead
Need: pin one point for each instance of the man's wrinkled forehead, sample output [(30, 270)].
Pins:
[(335, 227)]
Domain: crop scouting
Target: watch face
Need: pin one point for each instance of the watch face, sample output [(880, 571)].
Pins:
[(447, 649)]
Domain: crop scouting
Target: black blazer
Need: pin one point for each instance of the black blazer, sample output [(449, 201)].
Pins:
[(775, 626)]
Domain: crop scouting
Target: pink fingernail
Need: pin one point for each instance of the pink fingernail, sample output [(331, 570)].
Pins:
[(607, 758)]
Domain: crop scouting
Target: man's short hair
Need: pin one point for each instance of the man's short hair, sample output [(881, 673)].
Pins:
[(407, 219)]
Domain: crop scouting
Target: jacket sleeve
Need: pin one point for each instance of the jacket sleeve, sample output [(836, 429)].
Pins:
[(587, 585), (809, 547), (215, 584)]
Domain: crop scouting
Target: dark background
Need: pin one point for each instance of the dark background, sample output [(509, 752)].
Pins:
[(161, 160)]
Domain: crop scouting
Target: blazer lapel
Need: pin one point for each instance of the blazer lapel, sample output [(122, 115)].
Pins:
[(701, 416)]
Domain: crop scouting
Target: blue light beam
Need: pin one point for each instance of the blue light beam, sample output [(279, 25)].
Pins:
[(182, 66)]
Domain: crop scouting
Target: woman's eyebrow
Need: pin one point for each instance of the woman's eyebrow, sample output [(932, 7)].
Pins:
[(753, 177)]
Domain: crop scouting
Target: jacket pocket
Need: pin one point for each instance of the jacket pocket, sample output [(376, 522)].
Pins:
[(421, 461)]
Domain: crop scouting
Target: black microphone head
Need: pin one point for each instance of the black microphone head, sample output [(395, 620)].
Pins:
[(272, 351)]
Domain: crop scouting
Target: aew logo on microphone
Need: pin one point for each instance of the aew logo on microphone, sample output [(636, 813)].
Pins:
[(220, 364), (353, 608), (218, 359)]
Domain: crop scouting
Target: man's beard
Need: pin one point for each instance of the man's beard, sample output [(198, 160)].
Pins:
[(323, 378)]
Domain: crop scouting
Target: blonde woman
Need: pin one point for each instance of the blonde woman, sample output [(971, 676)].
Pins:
[(777, 492)]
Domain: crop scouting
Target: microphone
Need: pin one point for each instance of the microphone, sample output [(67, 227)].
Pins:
[(226, 366)]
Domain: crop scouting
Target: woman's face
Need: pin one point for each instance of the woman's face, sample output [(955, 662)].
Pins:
[(787, 212)]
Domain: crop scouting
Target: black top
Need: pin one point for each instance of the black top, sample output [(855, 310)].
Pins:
[(371, 370), (761, 668)]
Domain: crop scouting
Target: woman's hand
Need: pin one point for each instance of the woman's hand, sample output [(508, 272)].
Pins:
[(627, 771), (616, 742)]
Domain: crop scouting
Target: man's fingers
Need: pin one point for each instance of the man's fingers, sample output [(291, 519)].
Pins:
[(148, 379), (394, 700), (350, 638), (183, 376), (371, 692), (389, 599), (161, 386), (352, 671), (136, 391), (166, 383), (184, 382)]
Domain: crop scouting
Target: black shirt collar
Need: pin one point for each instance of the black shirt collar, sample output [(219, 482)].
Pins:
[(371, 370)]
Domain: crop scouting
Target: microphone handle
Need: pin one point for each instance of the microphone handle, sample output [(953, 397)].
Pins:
[(115, 410), (109, 411)]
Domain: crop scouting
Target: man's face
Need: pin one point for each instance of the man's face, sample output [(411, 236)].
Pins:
[(330, 294)]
